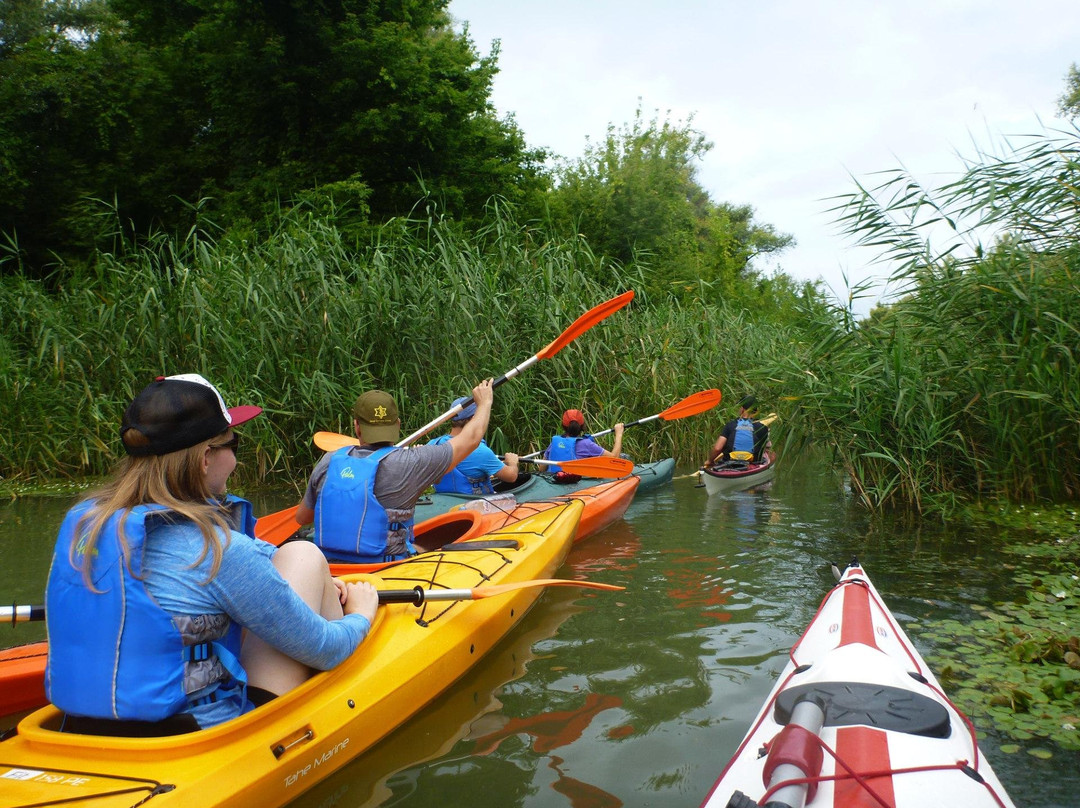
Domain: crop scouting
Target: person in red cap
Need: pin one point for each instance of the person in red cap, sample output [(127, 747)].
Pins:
[(572, 444), (156, 576)]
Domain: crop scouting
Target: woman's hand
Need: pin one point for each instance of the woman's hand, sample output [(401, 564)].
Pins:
[(342, 592), (361, 598)]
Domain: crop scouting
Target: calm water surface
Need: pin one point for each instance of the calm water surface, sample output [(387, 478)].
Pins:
[(638, 698)]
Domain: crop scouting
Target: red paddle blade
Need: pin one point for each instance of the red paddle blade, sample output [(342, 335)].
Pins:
[(607, 467), (584, 323), (692, 405)]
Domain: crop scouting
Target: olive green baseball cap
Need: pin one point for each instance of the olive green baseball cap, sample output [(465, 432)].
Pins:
[(377, 413)]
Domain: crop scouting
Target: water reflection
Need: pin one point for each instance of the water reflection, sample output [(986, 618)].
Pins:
[(740, 512), (605, 699)]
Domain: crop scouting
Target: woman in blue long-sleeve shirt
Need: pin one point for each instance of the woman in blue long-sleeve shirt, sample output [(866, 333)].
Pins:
[(156, 574)]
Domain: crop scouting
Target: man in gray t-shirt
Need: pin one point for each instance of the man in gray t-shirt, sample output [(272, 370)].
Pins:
[(404, 474)]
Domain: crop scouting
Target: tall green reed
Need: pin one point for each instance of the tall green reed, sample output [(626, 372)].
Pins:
[(300, 322), (965, 387)]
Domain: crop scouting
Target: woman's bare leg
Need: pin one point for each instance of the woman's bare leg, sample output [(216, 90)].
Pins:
[(302, 564)]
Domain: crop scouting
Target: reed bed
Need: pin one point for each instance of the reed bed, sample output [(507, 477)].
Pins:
[(301, 322), (966, 387)]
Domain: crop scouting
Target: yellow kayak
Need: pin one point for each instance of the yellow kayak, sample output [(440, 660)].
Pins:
[(272, 755)]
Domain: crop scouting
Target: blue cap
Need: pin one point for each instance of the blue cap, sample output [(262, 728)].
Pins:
[(466, 413)]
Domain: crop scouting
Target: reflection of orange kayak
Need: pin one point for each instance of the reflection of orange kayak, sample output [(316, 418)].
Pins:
[(273, 754)]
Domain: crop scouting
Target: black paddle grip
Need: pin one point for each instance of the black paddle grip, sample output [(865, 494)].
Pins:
[(415, 596)]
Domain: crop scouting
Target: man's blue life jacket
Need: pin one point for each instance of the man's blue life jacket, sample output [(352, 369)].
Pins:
[(350, 523), (744, 436), (456, 482)]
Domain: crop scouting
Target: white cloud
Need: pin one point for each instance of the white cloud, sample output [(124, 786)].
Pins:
[(795, 94)]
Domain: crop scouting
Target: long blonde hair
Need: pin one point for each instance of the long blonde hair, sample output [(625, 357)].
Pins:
[(176, 481)]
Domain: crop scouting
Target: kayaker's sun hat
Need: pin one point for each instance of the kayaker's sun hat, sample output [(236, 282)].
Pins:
[(377, 414), (465, 414), (177, 412), (573, 416), (749, 403)]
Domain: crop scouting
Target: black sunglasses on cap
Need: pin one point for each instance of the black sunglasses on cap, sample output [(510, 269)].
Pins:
[(232, 443)]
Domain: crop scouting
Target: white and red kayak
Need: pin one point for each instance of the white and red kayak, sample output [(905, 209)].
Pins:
[(738, 475), (857, 719)]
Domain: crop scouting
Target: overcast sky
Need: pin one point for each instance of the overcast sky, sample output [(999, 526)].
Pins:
[(797, 96)]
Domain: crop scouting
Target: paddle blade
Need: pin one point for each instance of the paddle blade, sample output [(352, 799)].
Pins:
[(276, 527), (606, 467), (692, 405), (332, 441), (501, 589), (584, 323)]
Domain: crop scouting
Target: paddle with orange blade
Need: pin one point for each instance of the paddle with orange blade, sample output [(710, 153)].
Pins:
[(277, 527), (582, 324), (691, 405), (417, 596)]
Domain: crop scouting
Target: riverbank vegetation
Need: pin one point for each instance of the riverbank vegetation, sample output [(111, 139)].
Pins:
[(437, 249)]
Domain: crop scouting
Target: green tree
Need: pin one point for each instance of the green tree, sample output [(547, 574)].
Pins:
[(243, 107), (1069, 102), (66, 84), (636, 198)]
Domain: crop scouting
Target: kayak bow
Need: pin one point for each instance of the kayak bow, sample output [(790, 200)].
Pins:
[(857, 719)]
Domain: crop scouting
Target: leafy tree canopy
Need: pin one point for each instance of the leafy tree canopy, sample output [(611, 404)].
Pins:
[(1069, 102), (156, 106), (636, 197)]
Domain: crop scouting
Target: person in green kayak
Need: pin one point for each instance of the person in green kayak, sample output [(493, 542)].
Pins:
[(362, 498), (474, 474), (156, 574), (572, 444), (745, 435)]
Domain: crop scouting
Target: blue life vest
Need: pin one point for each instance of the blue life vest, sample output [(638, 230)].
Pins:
[(744, 436), (561, 448), (115, 653), (350, 523), (456, 482)]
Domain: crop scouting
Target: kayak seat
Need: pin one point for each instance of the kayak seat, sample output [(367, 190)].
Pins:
[(179, 724), (501, 486), (879, 706)]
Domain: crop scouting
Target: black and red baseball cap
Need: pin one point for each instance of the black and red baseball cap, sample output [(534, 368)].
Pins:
[(178, 412)]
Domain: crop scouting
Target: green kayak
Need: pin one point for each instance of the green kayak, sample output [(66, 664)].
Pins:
[(542, 486)]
